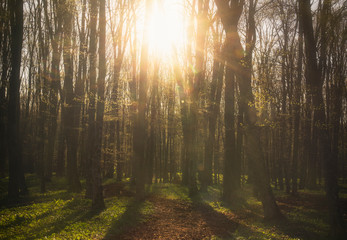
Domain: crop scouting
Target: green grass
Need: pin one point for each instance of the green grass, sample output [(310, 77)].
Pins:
[(59, 214), (171, 191), (301, 222)]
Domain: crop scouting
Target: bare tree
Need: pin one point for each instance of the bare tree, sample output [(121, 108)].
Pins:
[(314, 81), (230, 12), (16, 174)]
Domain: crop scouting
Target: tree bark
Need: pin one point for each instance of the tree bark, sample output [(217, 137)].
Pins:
[(90, 161), (16, 174), (54, 81), (230, 13), (314, 85), (296, 110), (98, 199), (71, 133), (214, 108), (232, 166), (140, 128), (4, 48)]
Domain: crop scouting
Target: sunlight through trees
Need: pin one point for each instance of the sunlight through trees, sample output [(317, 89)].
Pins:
[(196, 92)]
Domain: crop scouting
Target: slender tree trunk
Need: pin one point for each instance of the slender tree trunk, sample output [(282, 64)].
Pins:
[(133, 85), (119, 44), (60, 170), (43, 104), (121, 165), (140, 128), (90, 161), (230, 15), (195, 84), (16, 174), (214, 108), (71, 133), (97, 199), (232, 166), (296, 110), (3, 98), (54, 82), (5, 47), (152, 135), (314, 85), (283, 130), (79, 118)]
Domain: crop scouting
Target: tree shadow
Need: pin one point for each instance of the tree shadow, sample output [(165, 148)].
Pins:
[(299, 229), (34, 198), (117, 189), (303, 225), (80, 214), (131, 217), (219, 224)]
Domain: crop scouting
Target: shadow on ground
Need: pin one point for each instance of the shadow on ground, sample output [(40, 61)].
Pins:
[(177, 219), (132, 216)]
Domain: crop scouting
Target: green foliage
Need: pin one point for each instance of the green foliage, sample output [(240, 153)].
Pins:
[(171, 191), (59, 214), (302, 222)]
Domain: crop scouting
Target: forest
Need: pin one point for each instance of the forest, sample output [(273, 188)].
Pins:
[(173, 119)]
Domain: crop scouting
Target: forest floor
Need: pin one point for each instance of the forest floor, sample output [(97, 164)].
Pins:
[(167, 213), (178, 219)]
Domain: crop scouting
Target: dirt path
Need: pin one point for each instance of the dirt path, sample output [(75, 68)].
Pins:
[(177, 219)]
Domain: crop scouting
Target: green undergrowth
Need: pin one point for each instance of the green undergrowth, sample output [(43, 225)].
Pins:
[(305, 215), (58, 214), (171, 191)]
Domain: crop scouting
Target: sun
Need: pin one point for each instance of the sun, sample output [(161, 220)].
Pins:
[(166, 29)]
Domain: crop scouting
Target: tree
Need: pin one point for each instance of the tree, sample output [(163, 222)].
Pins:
[(140, 131), (120, 37), (296, 110), (314, 83), (214, 101), (54, 29), (71, 133), (196, 84), (98, 200), (229, 12), (4, 48), (93, 13), (16, 174), (94, 190)]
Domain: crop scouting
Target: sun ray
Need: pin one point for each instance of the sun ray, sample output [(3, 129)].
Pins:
[(166, 28)]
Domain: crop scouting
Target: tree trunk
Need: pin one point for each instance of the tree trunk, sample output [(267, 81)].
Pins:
[(90, 161), (79, 118), (296, 110), (314, 85), (71, 133), (60, 168), (230, 15), (153, 133), (54, 83), (5, 47), (140, 128), (16, 174), (214, 109), (232, 166), (97, 197)]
